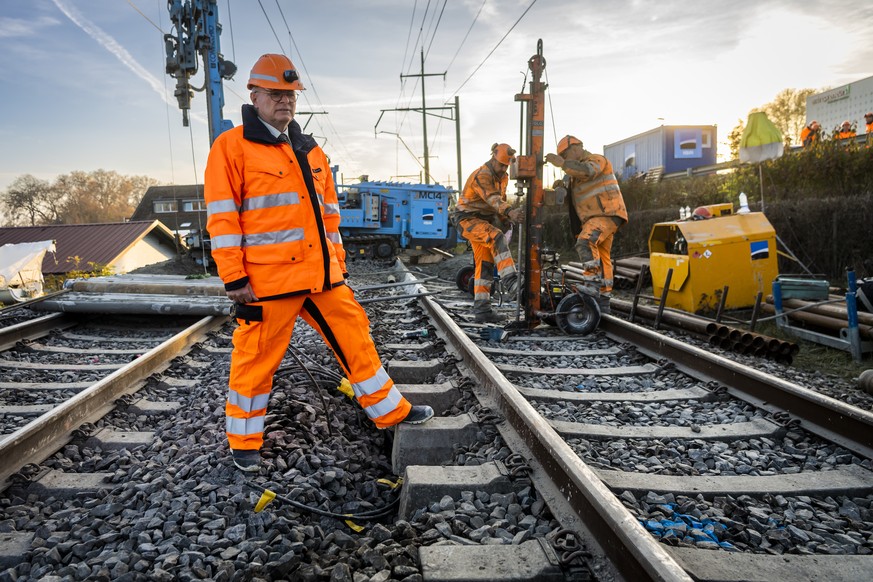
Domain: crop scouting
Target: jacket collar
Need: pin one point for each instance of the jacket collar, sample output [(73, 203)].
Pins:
[(254, 130)]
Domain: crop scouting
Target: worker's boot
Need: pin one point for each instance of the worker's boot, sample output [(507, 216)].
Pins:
[(487, 317), (510, 284)]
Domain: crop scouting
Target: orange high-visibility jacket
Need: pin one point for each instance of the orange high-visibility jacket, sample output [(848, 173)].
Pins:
[(808, 136), (594, 189), (484, 195), (870, 128), (272, 212), (846, 134)]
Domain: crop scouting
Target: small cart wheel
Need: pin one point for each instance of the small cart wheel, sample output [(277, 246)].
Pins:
[(577, 314), (464, 278)]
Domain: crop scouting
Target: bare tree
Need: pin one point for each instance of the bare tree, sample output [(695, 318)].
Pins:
[(100, 196), (787, 111), (29, 201)]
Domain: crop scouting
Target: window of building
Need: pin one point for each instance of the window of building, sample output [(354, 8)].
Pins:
[(164, 206), (193, 205)]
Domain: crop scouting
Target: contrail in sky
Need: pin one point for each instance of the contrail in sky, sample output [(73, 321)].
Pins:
[(111, 45)]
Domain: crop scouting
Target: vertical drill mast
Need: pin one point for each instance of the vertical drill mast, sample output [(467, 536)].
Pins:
[(528, 173)]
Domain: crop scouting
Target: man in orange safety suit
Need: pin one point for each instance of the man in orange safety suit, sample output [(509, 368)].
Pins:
[(868, 118), (846, 131), (480, 215), (599, 208), (274, 219), (810, 134)]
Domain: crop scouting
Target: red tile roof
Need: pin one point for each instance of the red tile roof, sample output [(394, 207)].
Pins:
[(100, 244)]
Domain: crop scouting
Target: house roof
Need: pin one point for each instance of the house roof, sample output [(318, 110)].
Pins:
[(100, 244), (196, 220)]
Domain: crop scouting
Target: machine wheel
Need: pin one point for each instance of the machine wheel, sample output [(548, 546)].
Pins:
[(577, 314), (384, 250), (464, 278)]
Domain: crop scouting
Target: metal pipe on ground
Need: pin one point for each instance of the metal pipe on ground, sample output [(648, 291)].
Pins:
[(821, 321), (834, 310)]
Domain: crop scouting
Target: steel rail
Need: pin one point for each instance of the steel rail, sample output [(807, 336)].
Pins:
[(33, 329), (845, 425), (599, 517), (39, 439)]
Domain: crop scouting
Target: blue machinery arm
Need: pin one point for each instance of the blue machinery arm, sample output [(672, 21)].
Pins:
[(196, 34)]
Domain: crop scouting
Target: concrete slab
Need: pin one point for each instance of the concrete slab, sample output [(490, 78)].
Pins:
[(431, 443), (70, 485), (149, 408), (115, 440), (849, 480), (527, 562), (649, 396), (440, 397), (405, 372), (13, 545), (422, 485), (720, 432), (419, 347), (719, 566), (618, 371)]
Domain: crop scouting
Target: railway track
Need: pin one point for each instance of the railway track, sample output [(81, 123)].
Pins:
[(620, 455)]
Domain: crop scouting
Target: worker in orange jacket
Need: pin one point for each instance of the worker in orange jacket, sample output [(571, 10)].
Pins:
[(273, 218), (846, 131), (810, 134), (480, 216), (868, 118), (598, 204)]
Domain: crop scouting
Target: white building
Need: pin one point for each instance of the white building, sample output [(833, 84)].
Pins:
[(849, 102)]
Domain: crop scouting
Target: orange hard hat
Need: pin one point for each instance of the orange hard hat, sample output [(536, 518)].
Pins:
[(275, 72), (503, 153), (566, 142)]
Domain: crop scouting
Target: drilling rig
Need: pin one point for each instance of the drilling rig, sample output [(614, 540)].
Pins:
[(546, 295)]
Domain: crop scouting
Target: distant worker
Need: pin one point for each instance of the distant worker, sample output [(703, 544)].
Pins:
[(274, 221), (846, 131), (810, 134), (598, 204), (868, 117), (481, 215)]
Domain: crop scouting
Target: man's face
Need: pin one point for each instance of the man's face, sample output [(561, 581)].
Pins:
[(574, 152), (275, 107)]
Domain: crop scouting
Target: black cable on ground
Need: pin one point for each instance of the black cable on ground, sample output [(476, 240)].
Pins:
[(372, 515)]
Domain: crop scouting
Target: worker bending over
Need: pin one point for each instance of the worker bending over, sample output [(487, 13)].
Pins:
[(480, 215), (274, 221), (599, 208)]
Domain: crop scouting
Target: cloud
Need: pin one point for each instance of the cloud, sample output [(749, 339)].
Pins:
[(114, 48), (17, 28)]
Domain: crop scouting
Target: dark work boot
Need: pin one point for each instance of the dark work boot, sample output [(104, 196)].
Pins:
[(488, 317), (603, 303)]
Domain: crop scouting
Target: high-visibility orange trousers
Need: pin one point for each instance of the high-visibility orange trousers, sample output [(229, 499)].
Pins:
[(260, 346), (489, 249), (594, 244)]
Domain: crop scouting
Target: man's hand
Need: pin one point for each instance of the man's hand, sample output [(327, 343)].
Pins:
[(244, 295), (555, 160), (516, 214)]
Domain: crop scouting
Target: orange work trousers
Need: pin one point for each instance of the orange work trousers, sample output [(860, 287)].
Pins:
[(260, 346), (594, 245), (489, 249)]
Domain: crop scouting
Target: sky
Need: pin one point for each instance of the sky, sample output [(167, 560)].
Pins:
[(83, 87)]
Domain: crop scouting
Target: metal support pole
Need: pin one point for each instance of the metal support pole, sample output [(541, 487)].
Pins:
[(639, 288), (663, 298), (458, 141), (721, 301), (852, 333), (756, 311), (424, 123)]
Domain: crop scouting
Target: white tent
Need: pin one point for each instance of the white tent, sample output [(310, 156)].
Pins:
[(21, 270)]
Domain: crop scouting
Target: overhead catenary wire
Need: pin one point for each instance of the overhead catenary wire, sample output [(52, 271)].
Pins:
[(479, 66)]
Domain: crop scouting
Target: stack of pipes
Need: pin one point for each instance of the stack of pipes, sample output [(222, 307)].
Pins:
[(626, 272), (827, 317), (717, 334)]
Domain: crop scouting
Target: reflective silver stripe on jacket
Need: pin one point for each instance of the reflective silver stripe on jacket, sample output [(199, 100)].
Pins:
[(386, 405), (335, 238), (226, 241), (248, 404), (270, 201), (373, 384), (219, 206), (331, 208), (272, 238), (244, 426)]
